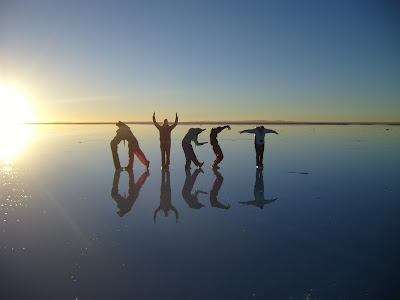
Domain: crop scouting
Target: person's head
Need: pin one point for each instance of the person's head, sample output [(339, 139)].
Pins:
[(165, 122), (261, 128)]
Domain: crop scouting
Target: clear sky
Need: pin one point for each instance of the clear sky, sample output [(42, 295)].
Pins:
[(209, 60)]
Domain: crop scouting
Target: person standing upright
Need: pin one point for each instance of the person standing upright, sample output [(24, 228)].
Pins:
[(215, 146), (165, 139), (259, 142)]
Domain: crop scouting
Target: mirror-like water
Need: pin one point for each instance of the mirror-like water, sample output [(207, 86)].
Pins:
[(320, 221)]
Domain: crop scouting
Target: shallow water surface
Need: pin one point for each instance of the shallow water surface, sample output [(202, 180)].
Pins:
[(321, 221)]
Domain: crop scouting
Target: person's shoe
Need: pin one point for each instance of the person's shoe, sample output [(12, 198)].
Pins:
[(215, 167), (128, 167), (187, 168), (201, 164), (148, 165)]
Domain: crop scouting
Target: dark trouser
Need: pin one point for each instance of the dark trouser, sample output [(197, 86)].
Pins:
[(134, 149), (218, 152), (259, 154), (165, 153), (189, 155)]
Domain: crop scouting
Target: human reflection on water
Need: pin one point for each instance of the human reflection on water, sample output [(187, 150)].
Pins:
[(191, 199), (165, 197), (125, 203), (215, 189), (259, 200)]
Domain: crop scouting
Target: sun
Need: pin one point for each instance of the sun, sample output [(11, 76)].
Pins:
[(14, 107)]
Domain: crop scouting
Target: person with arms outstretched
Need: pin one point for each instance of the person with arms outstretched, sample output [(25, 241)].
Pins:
[(124, 133), (259, 199), (190, 156), (215, 146), (259, 142), (165, 139)]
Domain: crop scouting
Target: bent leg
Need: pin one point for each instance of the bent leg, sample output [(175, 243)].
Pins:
[(138, 152), (219, 155), (114, 150), (192, 155), (186, 150), (189, 154)]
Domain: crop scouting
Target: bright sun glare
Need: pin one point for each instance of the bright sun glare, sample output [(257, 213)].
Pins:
[(14, 107)]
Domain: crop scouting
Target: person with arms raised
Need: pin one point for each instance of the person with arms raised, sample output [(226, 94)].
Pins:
[(165, 139)]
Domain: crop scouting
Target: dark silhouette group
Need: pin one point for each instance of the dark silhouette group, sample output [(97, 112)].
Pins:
[(125, 203), (124, 133)]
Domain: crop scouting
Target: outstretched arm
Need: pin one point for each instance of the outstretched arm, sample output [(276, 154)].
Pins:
[(247, 131), (176, 122), (196, 142), (270, 131), (154, 121)]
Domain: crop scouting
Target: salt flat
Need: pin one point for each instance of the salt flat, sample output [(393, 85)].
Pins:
[(328, 229)]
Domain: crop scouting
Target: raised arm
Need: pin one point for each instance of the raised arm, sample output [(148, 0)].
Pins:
[(176, 122), (220, 128), (155, 122)]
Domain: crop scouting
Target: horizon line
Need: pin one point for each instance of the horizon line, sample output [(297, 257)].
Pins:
[(255, 122)]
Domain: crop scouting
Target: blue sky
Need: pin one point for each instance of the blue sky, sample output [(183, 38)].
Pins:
[(208, 60)]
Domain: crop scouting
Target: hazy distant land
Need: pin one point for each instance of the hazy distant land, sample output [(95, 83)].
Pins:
[(254, 122)]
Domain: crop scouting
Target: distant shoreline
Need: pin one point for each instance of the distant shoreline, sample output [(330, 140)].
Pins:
[(222, 123)]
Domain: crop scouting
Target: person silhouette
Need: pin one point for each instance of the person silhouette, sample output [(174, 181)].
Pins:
[(165, 139), (215, 146), (165, 197), (215, 189), (259, 200), (259, 142), (190, 156), (192, 199), (125, 204), (124, 133)]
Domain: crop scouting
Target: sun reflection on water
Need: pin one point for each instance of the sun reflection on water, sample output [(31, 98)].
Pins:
[(13, 140)]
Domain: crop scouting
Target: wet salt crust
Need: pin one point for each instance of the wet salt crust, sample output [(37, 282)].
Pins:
[(332, 234)]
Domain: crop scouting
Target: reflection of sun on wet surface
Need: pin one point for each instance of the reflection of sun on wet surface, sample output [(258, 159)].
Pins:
[(14, 192), (13, 140), (14, 195)]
